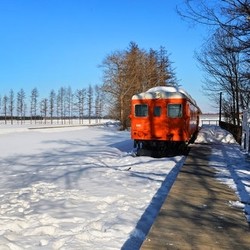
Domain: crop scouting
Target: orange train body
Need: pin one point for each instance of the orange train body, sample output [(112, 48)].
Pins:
[(163, 116)]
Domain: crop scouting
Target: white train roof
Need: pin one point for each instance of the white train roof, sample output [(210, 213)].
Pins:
[(164, 92)]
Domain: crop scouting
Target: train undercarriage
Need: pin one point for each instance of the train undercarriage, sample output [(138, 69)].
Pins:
[(159, 149)]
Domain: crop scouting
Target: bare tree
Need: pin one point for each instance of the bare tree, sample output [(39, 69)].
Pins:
[(11, 104), (224, 73), (131, 71), (44, 106), (80, 96), (112, 79), (69, 103), (90, 102), (61, 104), (124, 74), (151, 78), (21, 105), (166, 75), (5, 108), (226, 58), (33, 104), (52, 100), (231, 16), (99, 103)]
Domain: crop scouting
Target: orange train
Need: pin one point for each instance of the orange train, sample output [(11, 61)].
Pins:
[(163, 120)]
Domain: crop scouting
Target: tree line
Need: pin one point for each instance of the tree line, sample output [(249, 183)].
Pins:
[(125, 73), (60, 106), (225, 56)]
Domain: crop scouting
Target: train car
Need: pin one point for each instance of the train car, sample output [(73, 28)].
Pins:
[(163, 120)]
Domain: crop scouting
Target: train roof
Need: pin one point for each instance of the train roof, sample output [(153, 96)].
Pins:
[(164, 92)]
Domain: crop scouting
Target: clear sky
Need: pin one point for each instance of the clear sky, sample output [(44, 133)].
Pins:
[(50, 44)]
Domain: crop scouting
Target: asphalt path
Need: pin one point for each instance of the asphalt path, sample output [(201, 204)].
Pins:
[(198, 212)]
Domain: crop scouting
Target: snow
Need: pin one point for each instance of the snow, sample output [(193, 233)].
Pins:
[(77, 187), (214, 135), (231, 163), (173, 90), (164, 92), (82, 187)]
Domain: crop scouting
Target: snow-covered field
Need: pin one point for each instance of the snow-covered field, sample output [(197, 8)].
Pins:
[(82, 187), (77, 188)]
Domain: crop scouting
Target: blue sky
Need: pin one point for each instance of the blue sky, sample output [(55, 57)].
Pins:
[(50, 44)]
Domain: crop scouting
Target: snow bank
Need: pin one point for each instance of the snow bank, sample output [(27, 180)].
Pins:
[(231, 163), (214, 134)]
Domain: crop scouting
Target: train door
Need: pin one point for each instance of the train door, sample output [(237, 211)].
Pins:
[(158, 120)]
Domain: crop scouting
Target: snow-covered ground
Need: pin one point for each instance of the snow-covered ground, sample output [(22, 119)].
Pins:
[(231, 163), (82, 187), (77, 188)]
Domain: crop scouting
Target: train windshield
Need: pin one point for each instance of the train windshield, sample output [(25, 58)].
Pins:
[(141, 110), (174, 110)]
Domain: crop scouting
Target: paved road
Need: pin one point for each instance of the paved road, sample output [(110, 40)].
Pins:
[(197, 213)]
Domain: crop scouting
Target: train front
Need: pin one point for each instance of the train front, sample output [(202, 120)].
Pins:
[(161, 119)]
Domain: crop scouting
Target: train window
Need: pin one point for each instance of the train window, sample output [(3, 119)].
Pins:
[(174, 110), (157, 111), (141, 110)]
